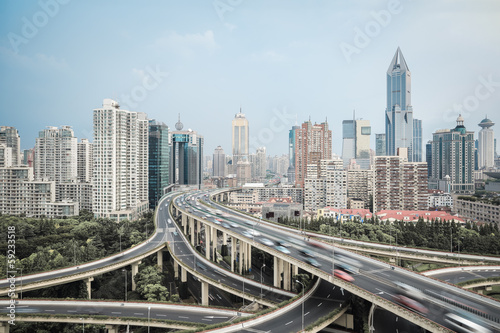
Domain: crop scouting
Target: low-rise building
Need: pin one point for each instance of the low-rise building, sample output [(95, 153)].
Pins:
[(415, 215), (345, 214), (277, 208), (477, 210)]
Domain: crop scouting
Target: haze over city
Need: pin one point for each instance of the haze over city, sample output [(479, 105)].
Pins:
[(205, 61)]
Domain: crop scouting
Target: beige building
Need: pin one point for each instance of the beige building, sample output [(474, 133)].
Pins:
[(477, 210), (325, 185), (240, 138), (359, 186)]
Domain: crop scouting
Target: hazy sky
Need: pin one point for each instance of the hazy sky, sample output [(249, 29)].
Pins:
[(279, 60)]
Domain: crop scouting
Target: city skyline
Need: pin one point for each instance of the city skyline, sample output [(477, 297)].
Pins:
[(300, 61)]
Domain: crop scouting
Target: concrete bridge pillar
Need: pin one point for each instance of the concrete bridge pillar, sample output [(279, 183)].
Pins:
[(88, 282), (198, 229), (242, 256), (135, 270), (233, 252), (204, 293), (207, 241), (215, 242), (176, 270), (191, 230), (112, 328), (159, 260), (287, 281), (278, 269), (183, 219), (4, 327), (224, 238), (183, 275), (248, 256)]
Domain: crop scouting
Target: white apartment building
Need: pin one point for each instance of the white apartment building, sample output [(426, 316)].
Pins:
[(360, 186), (21, 195), (120, 154), (436, 200), (84, 161), (56, 155), (5, 156), (325, 185), (79, 192)]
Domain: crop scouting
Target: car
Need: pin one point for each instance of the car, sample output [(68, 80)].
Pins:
[(169, 221), (254, 233), (409, 291), (342, 275), (267, 241), (226, 225), (280, 242), (313, 262), (218, 221), (306, 253), (234, 225), (411, 304), (247, 234), (461, 322), (282, 249)]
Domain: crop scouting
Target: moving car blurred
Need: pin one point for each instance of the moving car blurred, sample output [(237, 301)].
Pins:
[(342, 275), (411, 304), (313, 262)]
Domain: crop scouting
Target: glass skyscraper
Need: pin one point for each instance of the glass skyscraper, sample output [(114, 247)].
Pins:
[(348, 141), (417, 140), (399, 112), (159, 161)]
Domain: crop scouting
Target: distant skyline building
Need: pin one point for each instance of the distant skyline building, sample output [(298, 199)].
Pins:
[(260, 163), (417, 140), (486, 144), (219, 162), (120, 154), (363, 131), (159, 161), (348, 141), (84, 161), (428, 157), (10, 137), (291, 154), (186, 150), (399, 112), (380, 144), (453, 159), (240, 138), (325, 185), (5, 156), (56, 155), (312, 144)]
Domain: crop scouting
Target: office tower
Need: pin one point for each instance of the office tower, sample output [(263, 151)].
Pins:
[(360, 185), (28, 157), (380, 144), (56, 155), (5, 156), (312, 144), (348, 141), (10, 137), (417, 141), (186, 151), (453, 159), (399, 112), (84, 161), (120, 154), (399, 185), (219, 162), (486, 145), (243, 172), (260, 163), (240, 138), (325, 185), (159, 161), (428, 158), (291, 155), (363, 132)]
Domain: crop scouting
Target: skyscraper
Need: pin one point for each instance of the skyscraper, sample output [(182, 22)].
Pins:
[(84, 161), (453, 159), (348, 141), (240, 138), (56, 155), (120, 155), (417, 140), (486, 147), (399, 112), (363, 133), (159, 161), (219, 162), (186, 150), (260, 163), (291, 154), (10, 137), (428, 158), (380, 144), (312, 144)]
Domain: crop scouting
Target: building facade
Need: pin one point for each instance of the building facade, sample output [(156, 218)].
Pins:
[(486, 145), (120, 155), (477, 210), (325, 185), (159, 161), (240, 138), (291, 154), (360, 186), (219, 162), (84, 161), (453, 159), (10, 137), (380, 144), (417, 140)]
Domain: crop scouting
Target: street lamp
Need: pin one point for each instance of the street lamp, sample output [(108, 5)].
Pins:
[(125, 271), (149, 311), (303, 289), (261, 279)]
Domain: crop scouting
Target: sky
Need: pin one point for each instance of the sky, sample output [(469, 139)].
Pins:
[(282, 62)]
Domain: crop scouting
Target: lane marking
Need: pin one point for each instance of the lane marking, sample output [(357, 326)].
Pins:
[(289, 323), (116, 312), (320, 304)]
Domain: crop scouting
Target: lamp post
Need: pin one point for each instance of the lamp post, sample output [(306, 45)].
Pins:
[(261, 279), (149, 311), (125, 271), (303, 289)]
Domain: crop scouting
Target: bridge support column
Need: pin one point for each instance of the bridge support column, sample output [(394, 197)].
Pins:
[(207, 241), (4, 327), (224, 238), (248, 256), (295, 270), (287, 281), (198, 229), (277, 269), (112, 328), (233, 252), (183, 219), (183, 274), (242, 256), (88, 282), (176, 270), (159, 260), (215, 242), (191, 230), (135, 270), (204, 293)]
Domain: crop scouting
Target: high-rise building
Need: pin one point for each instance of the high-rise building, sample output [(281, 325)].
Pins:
[(56, 155), (486, 145), (398, 184), (363, 133), (360, 185), (380, 144), (5, 156), (219, 162), (120, 154), (291, 154), (417, 140), (243, 172), (428, 158), (453, 159), (260, 164), (325, 185), (186, 150), (159, 161), (240, 138), (84, 161), (399, 112), (348, 141), (312, 144), (10, 137)]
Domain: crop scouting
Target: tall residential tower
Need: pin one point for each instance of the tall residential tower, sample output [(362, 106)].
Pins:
[(486, 141)]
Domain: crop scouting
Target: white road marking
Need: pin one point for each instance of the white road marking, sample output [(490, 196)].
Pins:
[(289, 323), (161, 315), (139, 313), (116, 312), (306, 314), (50, 310), (184, 317), (320, 304), (71, 311)]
